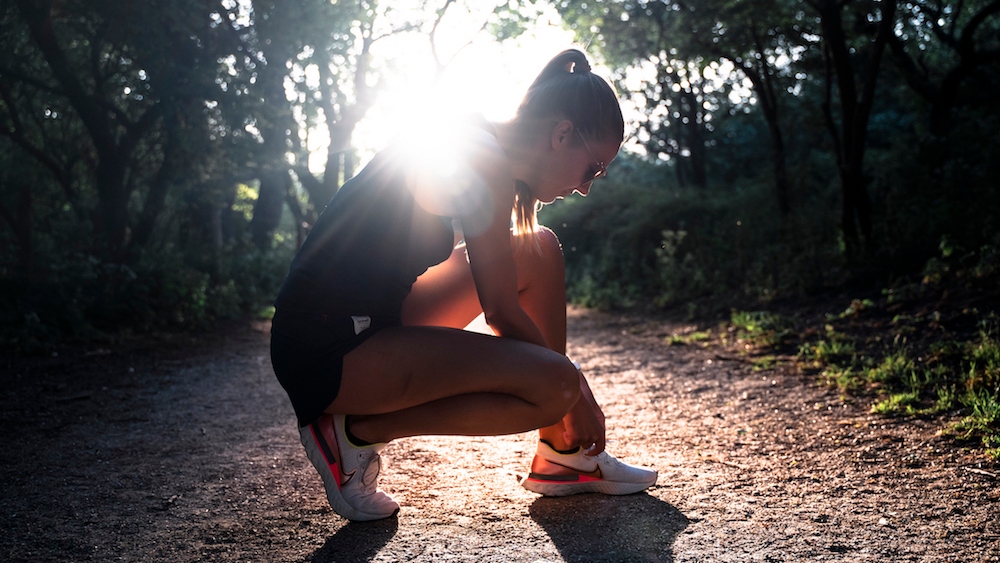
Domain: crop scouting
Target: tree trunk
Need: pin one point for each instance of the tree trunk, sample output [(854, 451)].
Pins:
[(780, 172), (217, 240), (22, 224), (267, 209), (348, 164), (171, 169), (276, 127), (763, 85), (695, 140), (855, 112), (112, 198)]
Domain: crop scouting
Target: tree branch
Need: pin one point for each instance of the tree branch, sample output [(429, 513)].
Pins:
[(39, 20), (917, 79), (827, 107), (966, 42), (30, 80), (863, 111), (16, 134)]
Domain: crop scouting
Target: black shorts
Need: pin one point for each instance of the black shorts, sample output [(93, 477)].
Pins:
[(307, 354)]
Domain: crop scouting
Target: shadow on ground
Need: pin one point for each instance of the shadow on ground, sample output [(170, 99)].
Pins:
[(356, 541), (602, 528)]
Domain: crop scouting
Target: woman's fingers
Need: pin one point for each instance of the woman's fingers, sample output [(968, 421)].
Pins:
[(584, 427)]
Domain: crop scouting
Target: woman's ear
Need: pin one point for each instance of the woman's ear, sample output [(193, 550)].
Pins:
[(562, 134)]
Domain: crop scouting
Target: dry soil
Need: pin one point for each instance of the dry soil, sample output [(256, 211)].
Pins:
[(182, 448)]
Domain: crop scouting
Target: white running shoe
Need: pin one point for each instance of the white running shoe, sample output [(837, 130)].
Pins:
[(350, 473), (559, 474)]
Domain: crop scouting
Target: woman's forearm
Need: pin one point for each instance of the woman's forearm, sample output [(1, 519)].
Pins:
[(518, 325)]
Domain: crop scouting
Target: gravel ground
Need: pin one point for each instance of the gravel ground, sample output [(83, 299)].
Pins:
[(181, 448)]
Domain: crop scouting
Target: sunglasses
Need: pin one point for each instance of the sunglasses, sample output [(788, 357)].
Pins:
[(591, 175)]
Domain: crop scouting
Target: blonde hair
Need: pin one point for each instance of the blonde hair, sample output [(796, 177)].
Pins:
[(525, 212), (567, 89)]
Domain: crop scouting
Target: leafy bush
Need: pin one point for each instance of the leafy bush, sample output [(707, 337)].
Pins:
[(639, 242), (83, 297)]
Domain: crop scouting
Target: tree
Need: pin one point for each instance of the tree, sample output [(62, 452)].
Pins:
[(104, 102), (761, 39), (856, 88), (337, 77), (677, 121), (940, 45)]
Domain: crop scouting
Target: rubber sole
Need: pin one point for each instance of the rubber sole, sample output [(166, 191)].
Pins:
[(566, 488)]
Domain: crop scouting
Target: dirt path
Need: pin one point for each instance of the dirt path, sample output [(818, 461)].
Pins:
[(188, 452)]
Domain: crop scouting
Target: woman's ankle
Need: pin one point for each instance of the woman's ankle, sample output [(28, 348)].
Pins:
[(553, 436)]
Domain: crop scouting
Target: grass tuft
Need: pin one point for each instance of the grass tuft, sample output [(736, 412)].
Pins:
[(683, 339), (761, 329), (906, 367)]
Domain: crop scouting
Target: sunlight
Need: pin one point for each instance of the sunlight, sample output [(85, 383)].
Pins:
[(484, 77), (440, 152)]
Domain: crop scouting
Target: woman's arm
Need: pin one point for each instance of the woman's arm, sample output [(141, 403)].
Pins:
[(467, 176), (584, 425), (491, 257)]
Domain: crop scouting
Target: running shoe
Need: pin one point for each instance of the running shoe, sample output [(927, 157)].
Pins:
[(558, 474), (350, 473)]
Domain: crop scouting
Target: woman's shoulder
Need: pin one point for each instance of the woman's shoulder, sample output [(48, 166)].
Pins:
[(452, 164)]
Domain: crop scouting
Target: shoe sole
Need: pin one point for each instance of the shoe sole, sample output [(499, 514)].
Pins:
[(566, 488), (327, 469)]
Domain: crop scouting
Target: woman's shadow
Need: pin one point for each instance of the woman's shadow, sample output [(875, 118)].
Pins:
[(357, 541), (610, 528)]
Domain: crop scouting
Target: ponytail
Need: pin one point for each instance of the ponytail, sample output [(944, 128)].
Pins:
[(565, 89), (525, 213)]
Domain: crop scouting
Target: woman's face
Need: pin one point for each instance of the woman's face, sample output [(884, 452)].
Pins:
[(573, 167)]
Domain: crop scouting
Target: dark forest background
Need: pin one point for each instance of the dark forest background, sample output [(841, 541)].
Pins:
[(156, 174), (153, 166), (853, 143)]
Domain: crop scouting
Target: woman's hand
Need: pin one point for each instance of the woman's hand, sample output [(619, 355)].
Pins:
[(584, 423)]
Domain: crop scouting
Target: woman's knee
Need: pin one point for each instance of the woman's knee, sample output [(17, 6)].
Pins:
[(541, 262), (548, 244)]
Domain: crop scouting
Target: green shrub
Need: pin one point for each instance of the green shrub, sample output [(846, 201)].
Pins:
[(82, 297), (639, 242)]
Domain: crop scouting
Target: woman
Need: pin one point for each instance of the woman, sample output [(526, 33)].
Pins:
[(367, 336)]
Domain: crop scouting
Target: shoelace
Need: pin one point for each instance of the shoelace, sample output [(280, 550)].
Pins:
[(608, 459)]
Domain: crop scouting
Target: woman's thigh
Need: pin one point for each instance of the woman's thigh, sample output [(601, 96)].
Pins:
[(405, 366), (445, 295)]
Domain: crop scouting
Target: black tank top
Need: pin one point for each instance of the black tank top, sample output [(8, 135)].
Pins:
[(368, 246)]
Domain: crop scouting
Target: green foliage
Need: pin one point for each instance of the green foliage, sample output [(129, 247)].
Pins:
[(760, 328), (683, 339), (852, 310), (923, 349), (640, 239), (983, 422), (764, 363), (85, 298), (835, 348), (896, 403), (948, 376)]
